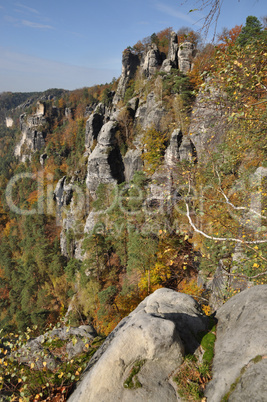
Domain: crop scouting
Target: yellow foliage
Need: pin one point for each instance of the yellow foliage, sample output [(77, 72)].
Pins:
[(190, 287), (154, 146)]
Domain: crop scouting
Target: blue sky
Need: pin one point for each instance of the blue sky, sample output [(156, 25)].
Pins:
[(72, 44)]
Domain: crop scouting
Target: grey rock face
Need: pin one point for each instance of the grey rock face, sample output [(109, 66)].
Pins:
[(157, 333), (93, 126), (9, 122), (208, 123), (152, 61), (218, 286), (69, 112), (172, 155), (105, 162), (241, 336), (187, 149), (172, 58), (252, 385), (133, 104), (74, 209), (32, 139), (63, 192), (89, 109), (43, 158), (185, 56), (150, 113), (130, 62), (72, 225), (167, 65), (173, 50), (132, 163), (34, 351), (90, 222)]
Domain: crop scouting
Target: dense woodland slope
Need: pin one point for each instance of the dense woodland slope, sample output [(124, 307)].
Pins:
[(158, 179)]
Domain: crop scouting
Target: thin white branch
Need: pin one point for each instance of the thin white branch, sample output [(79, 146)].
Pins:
[(240, 208), (232, 205), (218, 238), (229, 203)]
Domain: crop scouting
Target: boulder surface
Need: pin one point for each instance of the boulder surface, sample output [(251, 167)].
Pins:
[(240, 348), (138, 358)]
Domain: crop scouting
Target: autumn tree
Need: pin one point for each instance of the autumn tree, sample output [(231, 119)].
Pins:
[(154, 143), (228, 37), (186, 34)]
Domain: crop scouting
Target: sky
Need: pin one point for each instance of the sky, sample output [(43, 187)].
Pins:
[(73, 44)]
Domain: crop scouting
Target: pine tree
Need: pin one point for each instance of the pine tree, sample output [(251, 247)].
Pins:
[(250, 31)]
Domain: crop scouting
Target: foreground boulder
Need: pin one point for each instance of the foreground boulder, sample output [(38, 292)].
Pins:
[(239, 367), (141, 357), (138, 358)]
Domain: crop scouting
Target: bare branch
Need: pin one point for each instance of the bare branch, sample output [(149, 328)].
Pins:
[(236, 274), (219, 238), (240, 208), (213, 8), (231, 204)]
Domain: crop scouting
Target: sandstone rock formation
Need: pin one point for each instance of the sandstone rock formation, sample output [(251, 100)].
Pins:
[(35, 350), (69, 113), (132, 163), (93, 127), (150, 113), (152, 61), (9, 122), (179, 56), (40, 108), (172, 155), (187, 150), (154, 337), (208, 123), (63, 192), (105, 162), (172, 59), (130, 62), (70, 212), (32, 135), (185, 56), (241, 348)]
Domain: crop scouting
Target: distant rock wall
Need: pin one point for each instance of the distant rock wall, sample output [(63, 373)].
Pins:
[(32, 136), (9, 122)]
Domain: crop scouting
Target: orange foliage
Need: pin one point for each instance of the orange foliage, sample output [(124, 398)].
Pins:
[(11, 223), (164, 37), (33, 197), (52, 231), (202, 62), (79, 112), (61, 103), (228, 38), (190, 36)]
